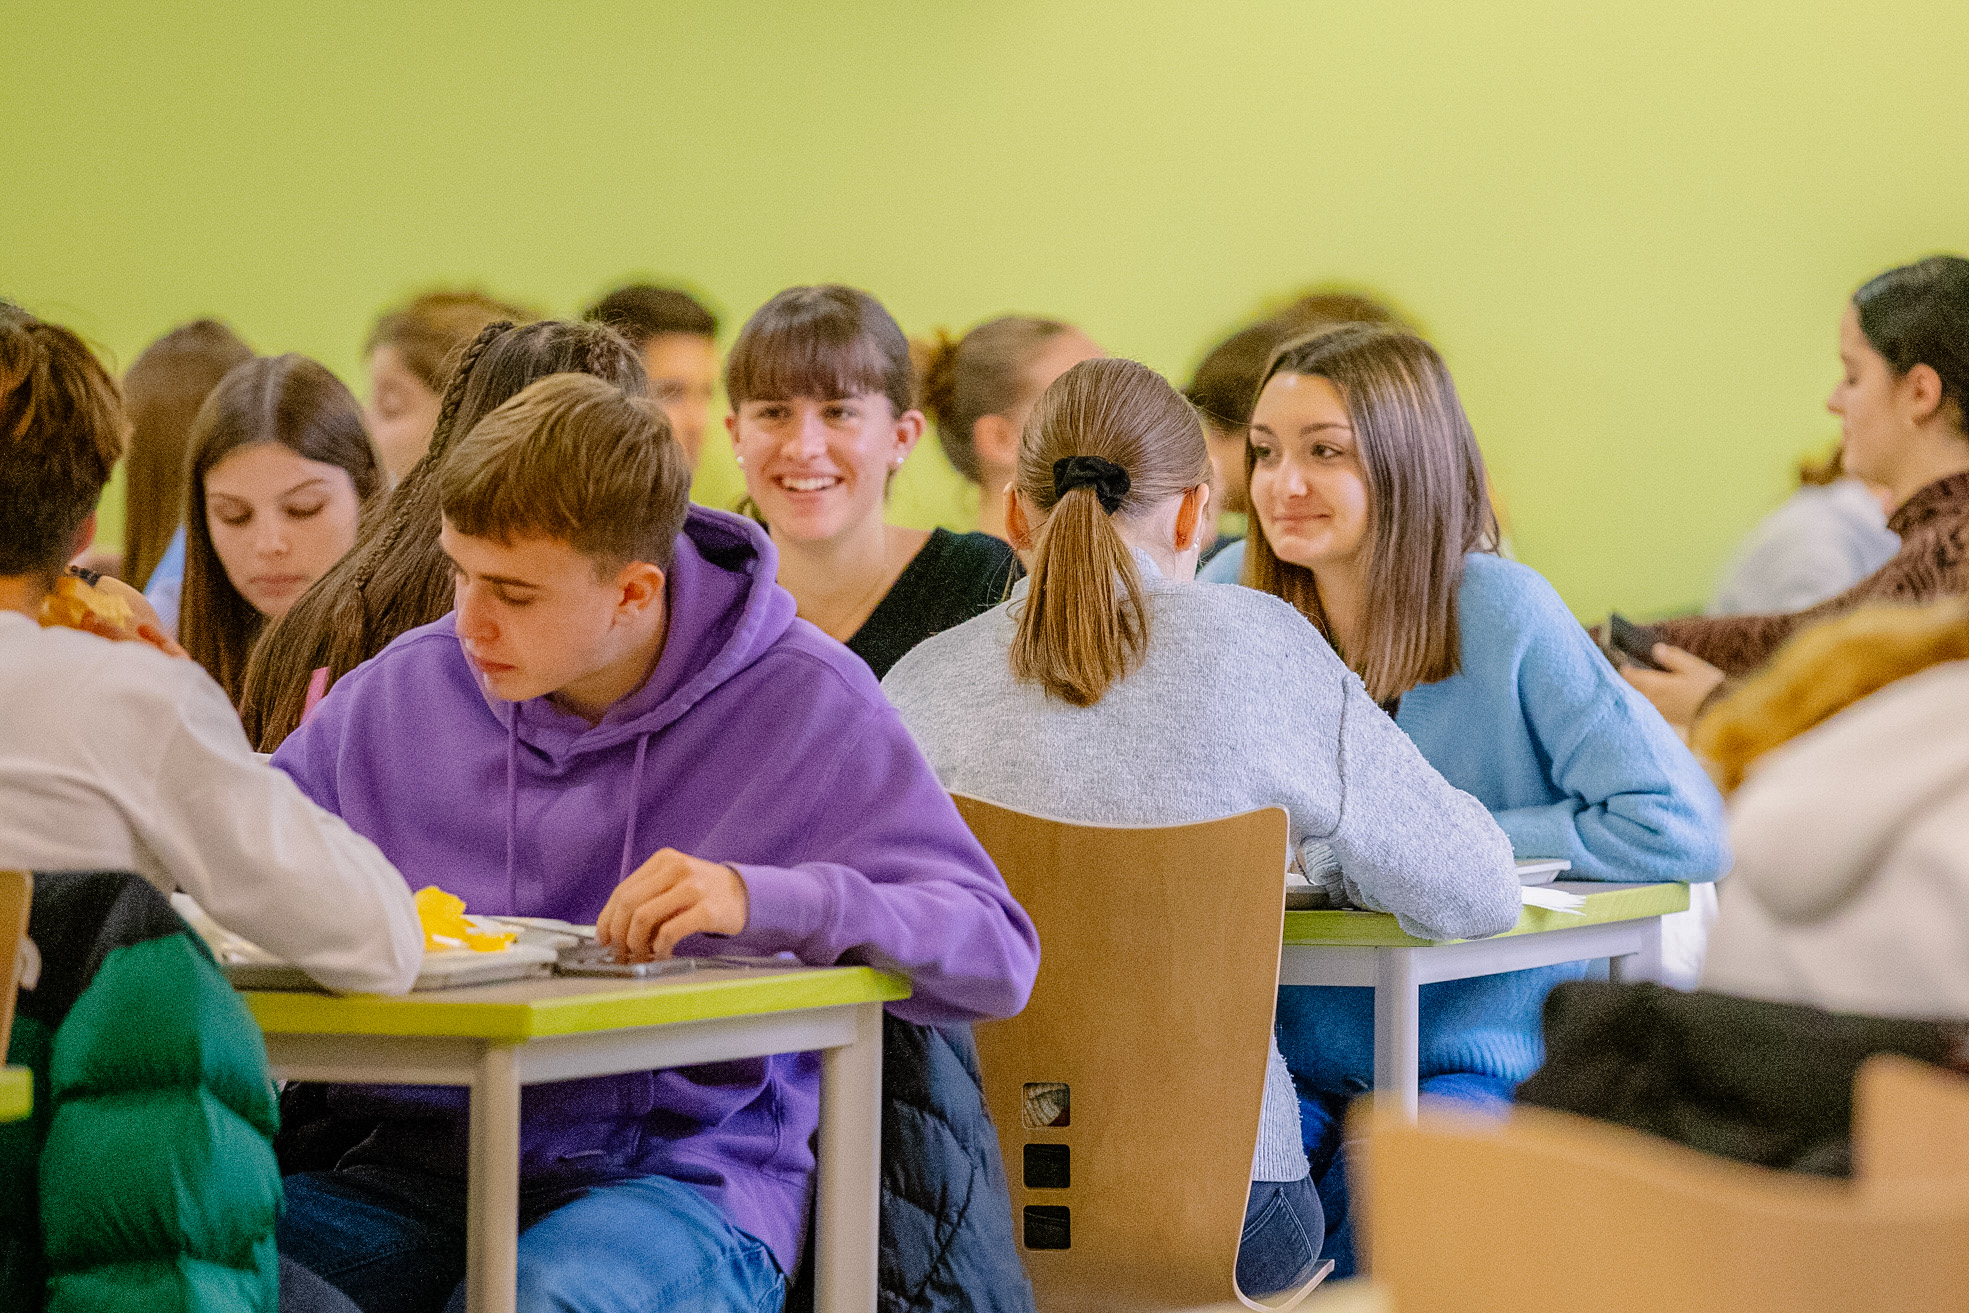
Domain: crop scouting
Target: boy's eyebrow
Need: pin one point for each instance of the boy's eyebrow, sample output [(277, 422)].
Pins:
[(503, 580)]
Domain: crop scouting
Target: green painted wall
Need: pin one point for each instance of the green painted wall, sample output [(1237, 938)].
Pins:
[(1630, 228)]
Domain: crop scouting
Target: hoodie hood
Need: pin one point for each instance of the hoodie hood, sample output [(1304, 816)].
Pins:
[(1821, 815), (725, 610)]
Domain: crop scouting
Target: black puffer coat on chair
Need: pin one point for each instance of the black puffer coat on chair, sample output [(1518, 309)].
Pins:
[(947, 1240)]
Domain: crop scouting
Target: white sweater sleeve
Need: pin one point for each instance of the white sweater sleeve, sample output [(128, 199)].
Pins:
[(268, 864)]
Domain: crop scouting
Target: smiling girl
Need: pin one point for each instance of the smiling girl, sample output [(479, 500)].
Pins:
[(823, 400), (280, 469), (1370, 516)]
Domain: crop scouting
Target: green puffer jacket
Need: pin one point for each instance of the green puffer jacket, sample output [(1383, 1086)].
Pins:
[(146, 1178)]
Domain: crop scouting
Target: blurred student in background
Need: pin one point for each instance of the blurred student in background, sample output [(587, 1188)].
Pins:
[(1225, 385), (980, 388), (396, 577), (1828, 535), (410, 353), (279, 472), (1480, 662), (162, 391), (823, 414), (678, 339), (1904, 352), (1112, 689)]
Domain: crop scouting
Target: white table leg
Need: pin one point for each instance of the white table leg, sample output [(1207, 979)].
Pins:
[(1397, 1027), (492, 1194), (1646, 964), (847, 1197)]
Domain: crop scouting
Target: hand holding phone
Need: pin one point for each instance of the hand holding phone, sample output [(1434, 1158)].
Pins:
[(1635, 643)]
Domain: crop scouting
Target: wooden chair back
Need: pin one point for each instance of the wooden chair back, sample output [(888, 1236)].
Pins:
[(1158, 978), (16, 893), (1546, 1212)]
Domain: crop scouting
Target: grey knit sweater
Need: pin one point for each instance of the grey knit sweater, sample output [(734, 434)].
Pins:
[(1239, 704)]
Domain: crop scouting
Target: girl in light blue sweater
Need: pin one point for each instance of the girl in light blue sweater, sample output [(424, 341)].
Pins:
[(1111, 689), (1370, 515)]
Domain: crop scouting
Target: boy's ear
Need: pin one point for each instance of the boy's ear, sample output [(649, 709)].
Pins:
[(639, 586)]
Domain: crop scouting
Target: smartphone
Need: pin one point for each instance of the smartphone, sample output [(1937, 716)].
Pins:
[(593, 958), (1635, 642)]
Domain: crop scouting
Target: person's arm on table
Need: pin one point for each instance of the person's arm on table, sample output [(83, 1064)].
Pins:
[(268, 864), (910, 891), (1637, 806)]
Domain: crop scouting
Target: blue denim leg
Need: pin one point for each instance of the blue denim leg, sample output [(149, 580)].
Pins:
[(1320, 1122), (1283, 1232), (650, 1245), (392, 1242)]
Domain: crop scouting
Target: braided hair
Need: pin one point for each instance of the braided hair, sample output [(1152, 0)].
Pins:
[(396, 577)]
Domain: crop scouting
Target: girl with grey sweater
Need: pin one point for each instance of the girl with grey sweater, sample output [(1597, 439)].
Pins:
[(1110, 688)]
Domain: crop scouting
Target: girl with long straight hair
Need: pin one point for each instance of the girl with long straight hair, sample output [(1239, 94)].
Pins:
[(279, 471), (1111, 688), (1370, 516)]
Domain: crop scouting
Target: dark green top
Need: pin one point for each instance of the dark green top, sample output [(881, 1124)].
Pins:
[(954, 577)]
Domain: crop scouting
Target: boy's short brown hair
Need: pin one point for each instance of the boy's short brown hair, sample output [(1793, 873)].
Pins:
[(62, 429), (573, 458)]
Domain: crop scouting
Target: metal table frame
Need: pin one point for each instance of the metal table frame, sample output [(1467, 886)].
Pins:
[(1396, 966), (494, 1069)]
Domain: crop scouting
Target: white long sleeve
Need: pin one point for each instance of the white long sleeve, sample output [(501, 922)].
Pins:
[(115, 757)]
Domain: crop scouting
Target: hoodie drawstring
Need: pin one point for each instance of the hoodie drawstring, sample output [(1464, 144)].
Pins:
[(635, 795), (512, 806)]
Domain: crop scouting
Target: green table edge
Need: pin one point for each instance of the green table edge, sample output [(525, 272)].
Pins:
[(634, 1004), (16, 1093), (1612, 902)]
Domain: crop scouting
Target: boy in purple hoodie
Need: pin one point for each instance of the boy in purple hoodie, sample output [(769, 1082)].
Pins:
[(623, 722)]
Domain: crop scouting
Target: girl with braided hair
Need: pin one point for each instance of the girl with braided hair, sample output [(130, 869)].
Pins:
[(396, 578)]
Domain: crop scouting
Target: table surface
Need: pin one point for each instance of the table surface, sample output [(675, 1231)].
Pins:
[(16, 1093), (1604, 903), (571, 1005)]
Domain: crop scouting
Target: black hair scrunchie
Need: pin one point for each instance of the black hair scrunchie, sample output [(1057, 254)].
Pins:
[(1109, 480)]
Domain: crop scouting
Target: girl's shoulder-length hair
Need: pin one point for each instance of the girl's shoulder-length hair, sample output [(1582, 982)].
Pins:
[(1428, 502)]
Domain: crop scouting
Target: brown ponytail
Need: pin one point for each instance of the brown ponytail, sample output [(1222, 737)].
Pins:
[(986, 372), (1084, 624)]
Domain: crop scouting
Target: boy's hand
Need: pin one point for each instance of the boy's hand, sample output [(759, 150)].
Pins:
[(668, 897)]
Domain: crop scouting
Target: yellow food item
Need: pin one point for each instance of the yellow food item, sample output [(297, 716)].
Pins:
[(72, 600), (445, 925)]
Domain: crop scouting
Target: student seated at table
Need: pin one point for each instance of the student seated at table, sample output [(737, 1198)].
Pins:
[(396, 577), (677, 338), (1903, 407), (981, 387), (624, 723), (823, 398), (1111, 688), (280, 472), (410, 353), (1480, 662), (120, 756)]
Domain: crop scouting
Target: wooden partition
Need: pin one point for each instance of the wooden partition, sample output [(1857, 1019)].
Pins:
[(1127, 1093), (16, 893)]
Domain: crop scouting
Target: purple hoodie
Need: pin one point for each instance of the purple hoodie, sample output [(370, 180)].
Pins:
[(757, 741)]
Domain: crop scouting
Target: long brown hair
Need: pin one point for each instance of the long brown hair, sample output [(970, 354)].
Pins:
[(1428, 502), (1084, 625), (162, 390), (982, 373), (299, 404), (826, 342), (396, 578)]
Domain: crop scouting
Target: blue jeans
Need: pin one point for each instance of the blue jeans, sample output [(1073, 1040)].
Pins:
[(394, 1242), (1283, 1230), (1320, 1117)]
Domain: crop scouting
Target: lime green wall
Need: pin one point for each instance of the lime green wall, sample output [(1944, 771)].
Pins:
[(1629, 227)]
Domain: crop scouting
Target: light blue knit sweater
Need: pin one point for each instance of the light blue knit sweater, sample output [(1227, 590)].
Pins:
[(1239, 704), (1572, 763)]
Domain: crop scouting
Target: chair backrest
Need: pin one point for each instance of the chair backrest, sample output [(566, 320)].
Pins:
[(16, 894), (1127, 1093), (1546, 1212)]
